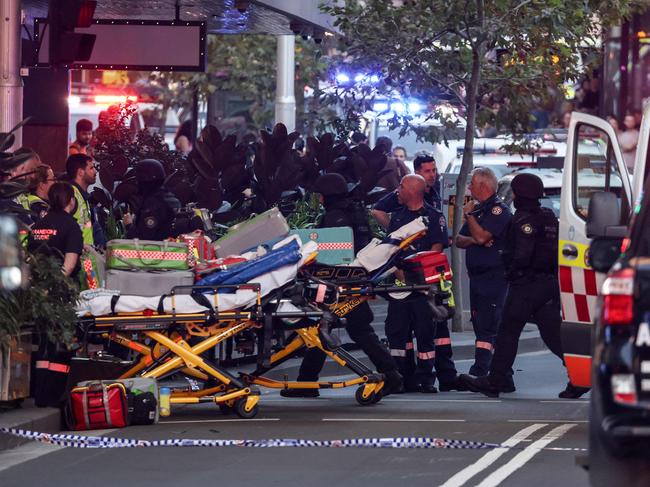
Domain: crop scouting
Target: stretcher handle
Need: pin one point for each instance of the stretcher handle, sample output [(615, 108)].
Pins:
[(253, 286), (297, 314), (385, 289)]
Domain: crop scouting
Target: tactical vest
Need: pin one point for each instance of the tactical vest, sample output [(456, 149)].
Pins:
[(83, 216), (546, 241)]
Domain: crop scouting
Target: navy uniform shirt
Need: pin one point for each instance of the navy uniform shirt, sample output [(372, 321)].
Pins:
[(494, 216), (390, 203), (57, 234), (437, 228)]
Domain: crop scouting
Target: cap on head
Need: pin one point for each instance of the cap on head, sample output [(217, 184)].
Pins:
[(331, 184), (527, 185), (149, 171)]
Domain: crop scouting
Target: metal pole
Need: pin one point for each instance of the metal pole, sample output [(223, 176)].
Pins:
[(285, 99), (11, 85)]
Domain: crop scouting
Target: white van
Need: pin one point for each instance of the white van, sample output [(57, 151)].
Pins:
[(593, 163)]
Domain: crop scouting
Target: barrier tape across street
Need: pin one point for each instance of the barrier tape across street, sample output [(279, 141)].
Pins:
[(81, 441)]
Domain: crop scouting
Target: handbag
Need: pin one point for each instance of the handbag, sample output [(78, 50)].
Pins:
[(97, 406), (139, 254)]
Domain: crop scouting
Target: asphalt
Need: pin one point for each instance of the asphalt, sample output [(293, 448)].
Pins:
[(533, 412)]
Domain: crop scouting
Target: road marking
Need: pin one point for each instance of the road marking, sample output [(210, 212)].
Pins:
[(490, 457), (547, 420), (236, 420), (397, 420), (502, 473), (442, 400), (564, 401)]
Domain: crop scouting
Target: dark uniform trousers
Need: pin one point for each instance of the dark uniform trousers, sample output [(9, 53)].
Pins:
[(533, 299), (487, 294), (406, 318), (361, 332), (444, 362)]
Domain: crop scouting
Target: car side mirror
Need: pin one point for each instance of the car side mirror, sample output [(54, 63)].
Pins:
[(603, 253), (11, 265), (604, 216)]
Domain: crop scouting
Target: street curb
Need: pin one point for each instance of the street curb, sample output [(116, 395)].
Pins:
[(28, 416)]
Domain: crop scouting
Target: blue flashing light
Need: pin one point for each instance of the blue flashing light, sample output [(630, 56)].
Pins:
[(342, 78), (380, 106), (374, 79)]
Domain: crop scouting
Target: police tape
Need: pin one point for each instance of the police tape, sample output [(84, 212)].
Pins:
[(81, 441)]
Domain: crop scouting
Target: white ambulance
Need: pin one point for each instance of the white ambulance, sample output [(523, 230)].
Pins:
[(587, 171)]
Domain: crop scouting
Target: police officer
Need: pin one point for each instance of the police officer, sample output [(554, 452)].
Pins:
[(484, 236), (339, 211), (425, 166), (413, 315), (155, 215), (530, 258)]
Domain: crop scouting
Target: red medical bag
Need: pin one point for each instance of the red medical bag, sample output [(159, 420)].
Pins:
[(199, 245), (98, 406), (426, 268)]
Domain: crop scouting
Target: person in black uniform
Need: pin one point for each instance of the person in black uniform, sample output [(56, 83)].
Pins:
[(413, 315), (339, 212), (530, 258), (425, 166), (155, 215), (484, 237), (57, 234)]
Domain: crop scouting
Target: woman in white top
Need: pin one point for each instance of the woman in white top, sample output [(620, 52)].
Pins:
[(628, 140)]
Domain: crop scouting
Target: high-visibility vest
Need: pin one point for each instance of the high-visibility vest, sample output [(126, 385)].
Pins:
[(83, 216)]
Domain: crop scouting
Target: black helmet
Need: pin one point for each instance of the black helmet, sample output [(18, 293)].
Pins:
[(527, 185), (149, 171), (331, 184)]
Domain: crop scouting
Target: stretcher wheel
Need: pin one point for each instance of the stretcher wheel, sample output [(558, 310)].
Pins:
[(240, 409), (366, 401)]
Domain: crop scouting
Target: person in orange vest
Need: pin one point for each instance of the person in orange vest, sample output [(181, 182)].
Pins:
[(83, 144)]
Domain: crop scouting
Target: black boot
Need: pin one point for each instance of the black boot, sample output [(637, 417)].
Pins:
[(454, 385), (393, 383), (572, 392), (480, 384), (299, 393)]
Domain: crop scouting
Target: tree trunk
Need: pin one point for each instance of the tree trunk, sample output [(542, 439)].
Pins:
[(461, 182)]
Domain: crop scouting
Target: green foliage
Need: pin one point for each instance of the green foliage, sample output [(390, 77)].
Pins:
[(45, 305), (306, 213), (524, 52), (116, 139)]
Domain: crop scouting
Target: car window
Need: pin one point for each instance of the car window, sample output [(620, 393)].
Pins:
[(595, 169)]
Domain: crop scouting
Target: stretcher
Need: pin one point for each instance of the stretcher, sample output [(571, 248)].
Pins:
[(335, 291), (170, 334)]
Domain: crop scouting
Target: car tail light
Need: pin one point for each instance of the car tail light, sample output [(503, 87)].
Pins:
[(618, 298), (624, 388)]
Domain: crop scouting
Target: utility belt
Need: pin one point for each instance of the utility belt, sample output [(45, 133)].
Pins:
[(479, 271)]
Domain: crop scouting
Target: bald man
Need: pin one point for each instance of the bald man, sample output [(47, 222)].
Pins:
[(414, 316)]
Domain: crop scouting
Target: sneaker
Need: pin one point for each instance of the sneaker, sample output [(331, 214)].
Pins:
[(480, 384), (455, 385), (299, 393), (572, 392)]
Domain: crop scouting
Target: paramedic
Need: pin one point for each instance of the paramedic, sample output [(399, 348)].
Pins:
[(531, 260), (483, 236), (414, 315), (334, 197)]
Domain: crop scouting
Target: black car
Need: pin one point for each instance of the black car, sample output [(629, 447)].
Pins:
[(619, 441)]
